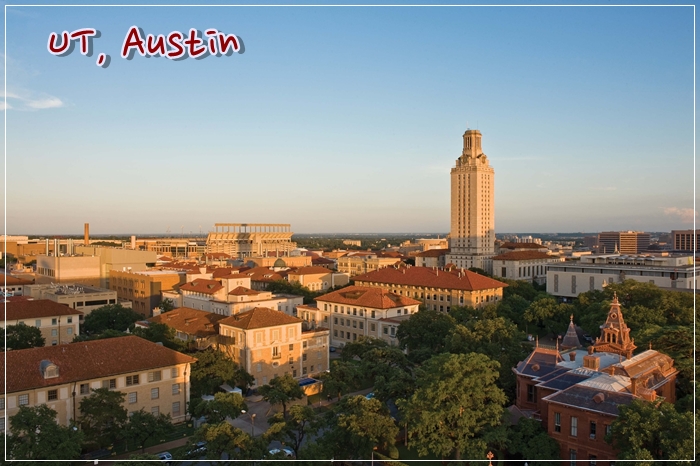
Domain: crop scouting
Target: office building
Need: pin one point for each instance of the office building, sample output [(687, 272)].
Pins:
[(685, 240), (58, 323), (623, 242), (243, 240)]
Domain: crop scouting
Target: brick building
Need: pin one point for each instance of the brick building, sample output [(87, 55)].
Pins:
[(58, 323), (576, 394)]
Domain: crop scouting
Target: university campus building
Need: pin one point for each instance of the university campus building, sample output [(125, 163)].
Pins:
[(577, 393)]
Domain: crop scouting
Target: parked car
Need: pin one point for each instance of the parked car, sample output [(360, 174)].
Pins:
[(287, 452), (199, 449), (331, 349), (370, 395), (165, 457)]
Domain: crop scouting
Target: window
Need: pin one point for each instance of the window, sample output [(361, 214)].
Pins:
[(176, 389), (265, 380), (354, 324), (132, 398), (342, 334), (54, 321), (342, 321), (372, 327), (258, 367), (608, 429), (531, 393), (54, 342), (110, 384), (373, 314), (155, 393), (593, 429), (574, 426), (2, 424), (557, 422), (132, 380), (303, 357), (70, 320), (174, 372), (303, 371), (386, 330), (335, 333), (2, 403), (176, 409), (23, 400), (37, 323), (69, 331), (592, 459), (154, 376), (572, 457), (53, 395), (304, 344), (54, 332), (291, 347), (294, 373), (155, 410), (84, 389)]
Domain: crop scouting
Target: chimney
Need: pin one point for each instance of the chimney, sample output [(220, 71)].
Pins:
[(156, 311), (87, 234), (572, 356), (133, 241)]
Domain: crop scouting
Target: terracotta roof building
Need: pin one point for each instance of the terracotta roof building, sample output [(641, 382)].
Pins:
[(10, 285), (268, 343), (317, 278), (438, 289), (431, 258), (190, 325), (357, 311), (152, 377), (361, 262), (577, 394), (58, 323)]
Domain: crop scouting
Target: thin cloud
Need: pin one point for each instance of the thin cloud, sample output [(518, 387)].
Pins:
[(31, 101), (686, 215)]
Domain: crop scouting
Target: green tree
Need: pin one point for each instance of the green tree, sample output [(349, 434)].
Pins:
[(455, 403), (167, 305), (110, 317), (222, 406), (646, 430), (549, 316), (356, 426), (211, 370), (102, 416), (342, 378), (423, 334), (35, 435), (301, 423), (22, 336), (282, 390), (529, 441), (99, 336), (160, 333), (143, 426), (223, 437)]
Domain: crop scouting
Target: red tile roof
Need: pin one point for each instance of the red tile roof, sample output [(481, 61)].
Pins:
[(217, 255), (522, 246), (264, 274), (19, 310), (522, 255), (243, 291), (86, 360), (433, 253), (190, 321), (201, 285), (259, 317), (321, 260), (366, 296), (429, 277)]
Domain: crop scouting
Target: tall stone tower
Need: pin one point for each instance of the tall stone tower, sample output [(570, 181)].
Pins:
[(472, 227)]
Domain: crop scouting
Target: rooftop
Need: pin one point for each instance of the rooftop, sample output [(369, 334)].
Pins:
[(259, 317), (190, 321), (24, 309), (366, 296), (458, 279)]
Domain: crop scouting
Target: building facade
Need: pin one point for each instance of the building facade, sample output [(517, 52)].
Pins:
[(594, 272), (524, 265), (58, 323), (317, 278), (363, 262), (623, 242), (144, 288), (685, 240), (437, 289), (80, 297), (362, 311), (153, 378), (243, 240), (472, 223)]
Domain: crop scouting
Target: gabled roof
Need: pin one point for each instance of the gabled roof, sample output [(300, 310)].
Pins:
[(201, 285), (429, 277), (85, 361), (366, 296), (321, 260), (540, 362), (259, 317), (309, 270), (243, 291), (433, 253), (591, 399), (190, 321), (24, 309), (9, 280)]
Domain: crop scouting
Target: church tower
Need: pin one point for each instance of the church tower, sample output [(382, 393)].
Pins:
[(614, 333), (472, 226)]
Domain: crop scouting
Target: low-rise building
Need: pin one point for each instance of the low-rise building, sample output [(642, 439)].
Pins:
[(13, 286), (199, 329), (144, 288), (317, 278), (524, 265), (80, 297), (58, 323), (358, 263), (577, 394), (594, 272), (269, 343), (438, 289), (685, 240), (431, 258), (153, 378), (357, 311)]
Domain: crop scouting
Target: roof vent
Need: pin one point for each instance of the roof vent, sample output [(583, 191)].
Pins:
[(535, 367), (599, 398)]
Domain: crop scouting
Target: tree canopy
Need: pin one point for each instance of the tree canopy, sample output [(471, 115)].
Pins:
[(455, 403), (143, 426), (222, 406), (102, 414), (22, 336), (282, 390), (35, 435), (423, 335), (110, 317)]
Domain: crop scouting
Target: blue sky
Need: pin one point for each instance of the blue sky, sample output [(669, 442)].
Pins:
[(349, 119)]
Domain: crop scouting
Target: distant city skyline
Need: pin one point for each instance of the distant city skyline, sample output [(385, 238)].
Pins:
[(349, 119)]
